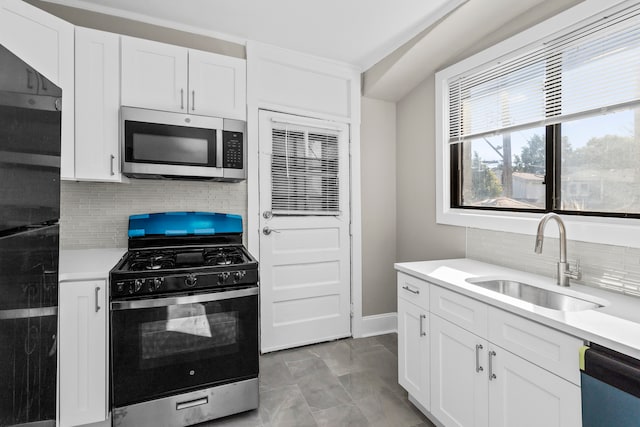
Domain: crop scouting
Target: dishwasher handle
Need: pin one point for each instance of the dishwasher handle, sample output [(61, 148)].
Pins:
[(612, 368)]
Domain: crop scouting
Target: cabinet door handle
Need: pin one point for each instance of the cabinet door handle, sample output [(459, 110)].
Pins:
[(478, 367), (97, 299), (422, 332), (193, 100), (182, 99), (492, 376), (413, 291), (112, 159)]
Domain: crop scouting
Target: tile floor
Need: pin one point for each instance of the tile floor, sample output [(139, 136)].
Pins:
[(350, 382)]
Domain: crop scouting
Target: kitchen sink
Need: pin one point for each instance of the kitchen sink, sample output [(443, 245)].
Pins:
[(534, 295)]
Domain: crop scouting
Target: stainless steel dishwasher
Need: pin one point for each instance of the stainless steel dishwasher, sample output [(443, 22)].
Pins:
[(610, 388)]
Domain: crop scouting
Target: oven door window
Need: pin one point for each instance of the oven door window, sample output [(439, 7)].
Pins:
[(169, 144), (165, 350), (188, 333)]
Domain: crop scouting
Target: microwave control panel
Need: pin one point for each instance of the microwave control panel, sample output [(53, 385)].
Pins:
[(232, 150)]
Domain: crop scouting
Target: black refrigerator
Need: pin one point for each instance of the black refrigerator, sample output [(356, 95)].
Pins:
[(30, 122)]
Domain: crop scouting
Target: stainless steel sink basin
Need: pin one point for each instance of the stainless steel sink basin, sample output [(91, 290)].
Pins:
[(534, 295)]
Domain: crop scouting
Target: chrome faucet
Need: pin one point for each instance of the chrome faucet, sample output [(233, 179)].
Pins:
[(565, 272)]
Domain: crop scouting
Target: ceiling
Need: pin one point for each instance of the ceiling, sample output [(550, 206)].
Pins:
[(472, 27), (358, 32)]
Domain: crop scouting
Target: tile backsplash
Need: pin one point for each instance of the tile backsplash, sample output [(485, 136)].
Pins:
[(95, 215), (612, 267)]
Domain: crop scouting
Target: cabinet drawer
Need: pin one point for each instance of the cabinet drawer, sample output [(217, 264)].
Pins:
[(548, 348), (413, 290), (460, 310)]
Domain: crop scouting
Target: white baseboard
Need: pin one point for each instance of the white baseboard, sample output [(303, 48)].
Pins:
[(378, 324)]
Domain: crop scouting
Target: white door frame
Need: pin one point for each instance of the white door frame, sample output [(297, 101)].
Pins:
[(255, 103)]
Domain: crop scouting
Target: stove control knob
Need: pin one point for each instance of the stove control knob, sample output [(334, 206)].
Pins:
[(136, 286), (222, 277), (120, 287), (238, 275), (190, 280), (157, 282)]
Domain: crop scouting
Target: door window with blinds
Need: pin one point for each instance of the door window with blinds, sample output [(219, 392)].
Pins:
[(304, 171), (553, 127)]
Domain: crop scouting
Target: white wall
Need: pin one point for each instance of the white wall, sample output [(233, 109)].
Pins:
[(418, 235), (378, 173)]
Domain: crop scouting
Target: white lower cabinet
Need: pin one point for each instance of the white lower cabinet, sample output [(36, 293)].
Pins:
[(83, 352), (458, 375), (473, 382), (413, 351), (525, 395)]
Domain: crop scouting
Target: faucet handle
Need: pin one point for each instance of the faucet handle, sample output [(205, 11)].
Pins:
[(574, 272)]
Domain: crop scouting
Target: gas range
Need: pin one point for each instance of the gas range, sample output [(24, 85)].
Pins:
[(190, 259), (184, 299)]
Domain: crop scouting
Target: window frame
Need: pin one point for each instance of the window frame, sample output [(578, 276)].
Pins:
[(593, 227)]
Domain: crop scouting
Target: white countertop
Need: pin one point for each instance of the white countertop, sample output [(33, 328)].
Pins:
[(617, 325), (88, 264)]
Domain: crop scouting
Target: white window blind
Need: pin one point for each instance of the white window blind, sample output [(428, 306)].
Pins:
[(591, 69), (304, 171)]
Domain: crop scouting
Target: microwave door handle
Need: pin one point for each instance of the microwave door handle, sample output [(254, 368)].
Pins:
[(219, 148)]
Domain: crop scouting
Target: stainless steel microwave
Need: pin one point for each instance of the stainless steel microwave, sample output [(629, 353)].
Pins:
[(161, 144)]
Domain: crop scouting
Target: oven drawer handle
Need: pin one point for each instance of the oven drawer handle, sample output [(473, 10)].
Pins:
[(192, 403), (188, 299)]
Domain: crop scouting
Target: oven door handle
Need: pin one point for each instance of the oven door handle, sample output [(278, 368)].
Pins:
[(187, 299)]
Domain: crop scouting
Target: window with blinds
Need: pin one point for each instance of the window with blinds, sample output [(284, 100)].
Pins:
[(304, 171), (584, 71), (554, 126)]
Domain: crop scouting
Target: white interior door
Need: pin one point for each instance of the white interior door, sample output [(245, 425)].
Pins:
[(305, 275)]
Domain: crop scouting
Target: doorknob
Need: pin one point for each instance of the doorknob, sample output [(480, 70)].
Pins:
[(266, 231)]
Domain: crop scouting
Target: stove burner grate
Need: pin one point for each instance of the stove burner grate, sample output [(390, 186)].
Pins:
[(223, 256), (156, 260), (176, 258)]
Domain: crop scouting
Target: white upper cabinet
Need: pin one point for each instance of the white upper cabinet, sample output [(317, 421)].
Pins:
[(154, 75), (46, 43), (217, 85), (172, 78), (97, 105)]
